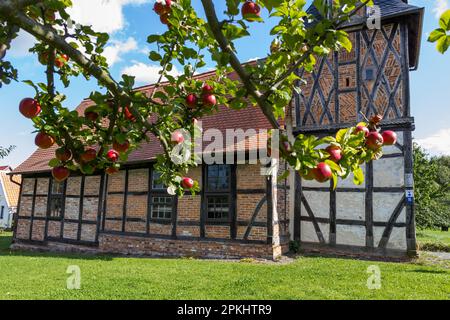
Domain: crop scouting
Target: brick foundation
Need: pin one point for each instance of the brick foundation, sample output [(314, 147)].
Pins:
[(186, 248), (161, 247)]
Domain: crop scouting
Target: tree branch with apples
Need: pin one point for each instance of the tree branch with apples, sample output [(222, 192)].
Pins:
[(121, 118)]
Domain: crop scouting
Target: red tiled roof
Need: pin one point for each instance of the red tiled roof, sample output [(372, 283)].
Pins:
[(11, 189), (248, 118)]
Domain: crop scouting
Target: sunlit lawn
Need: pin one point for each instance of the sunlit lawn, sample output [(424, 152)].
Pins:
[(27, 275)]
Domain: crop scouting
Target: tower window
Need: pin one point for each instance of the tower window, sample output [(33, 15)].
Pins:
[(369, 74)]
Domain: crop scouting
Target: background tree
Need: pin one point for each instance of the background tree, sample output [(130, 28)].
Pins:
[(118, 121), (432, 186)]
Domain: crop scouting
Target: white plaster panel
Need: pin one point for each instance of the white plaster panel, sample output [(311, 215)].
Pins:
[(397, 239), (348, 183), (315, 184), (308, 233), (394, 149), (319, 203), (351, 235), (384, 205), (389, 172), (350, 205)]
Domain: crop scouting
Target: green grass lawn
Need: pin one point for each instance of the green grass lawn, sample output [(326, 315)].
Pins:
[(433, 240), (27, 275)]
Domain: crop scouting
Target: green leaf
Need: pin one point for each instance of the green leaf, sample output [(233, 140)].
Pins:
[(340, 135), (443, 44), (234, 32), (436, 35), (358, 176), (155, 56), (335, 181), (233, 7), (334, 166), (54, 163), (444, 21)]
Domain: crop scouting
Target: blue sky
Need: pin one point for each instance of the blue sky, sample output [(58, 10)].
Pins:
[(131, 21)]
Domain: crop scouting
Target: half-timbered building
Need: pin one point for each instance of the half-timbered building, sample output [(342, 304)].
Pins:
[(239, 211)]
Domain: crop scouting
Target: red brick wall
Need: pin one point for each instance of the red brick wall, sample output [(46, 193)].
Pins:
[(189, 209)]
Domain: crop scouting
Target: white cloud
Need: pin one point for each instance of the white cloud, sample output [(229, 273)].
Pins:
[(438, 143), (439, 7), (117, 48), (103, 15), (146, 73), (21, 44)]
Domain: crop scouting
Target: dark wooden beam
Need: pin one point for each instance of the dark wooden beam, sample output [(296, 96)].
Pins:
[(369, 205)]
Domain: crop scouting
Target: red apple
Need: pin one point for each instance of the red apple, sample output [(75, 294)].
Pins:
[(111, 170), (187, 183), (60, 173), (121, 147), (161, 8), (374, 140), (209, 100), (389, 137), (44, 141), (91, 115), (164, 19), (177, 137), (322, 172), (287, 146), (61, 60), (362, 129), (29, 108), (191, 100), (335, 153), (63, 154), (112, 155), (89, 155), (50, 16), (207, 88), (249, 9), (129, 115)]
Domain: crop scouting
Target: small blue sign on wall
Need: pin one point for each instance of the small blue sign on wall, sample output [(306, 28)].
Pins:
[(410, 196)]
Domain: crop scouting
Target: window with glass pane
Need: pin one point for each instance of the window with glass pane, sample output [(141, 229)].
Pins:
[(162, 207), (56, 199), (218, 177), (155, 183), (218, 207)]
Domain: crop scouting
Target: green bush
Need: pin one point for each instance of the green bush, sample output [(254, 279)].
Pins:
[(432, 185)]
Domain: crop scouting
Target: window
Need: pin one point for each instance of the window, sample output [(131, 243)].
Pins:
[(155, 184), (161, 203), (217, 192), (370, 74), (56, 199), (162, 207), (218, 177), (2, 212), (218, 207)]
